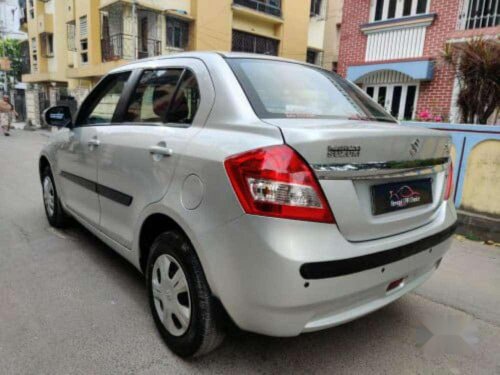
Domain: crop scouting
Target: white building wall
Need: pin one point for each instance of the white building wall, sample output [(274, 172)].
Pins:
[(10, 13), (316, 36)]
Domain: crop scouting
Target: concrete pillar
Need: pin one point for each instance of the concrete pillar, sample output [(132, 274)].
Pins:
[(33, 105), (54, 95)]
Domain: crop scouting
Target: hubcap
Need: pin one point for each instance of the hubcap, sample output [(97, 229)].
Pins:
[(48, 195), (171, 295)]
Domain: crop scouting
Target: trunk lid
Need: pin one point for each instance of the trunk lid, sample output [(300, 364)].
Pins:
[(350, 157)]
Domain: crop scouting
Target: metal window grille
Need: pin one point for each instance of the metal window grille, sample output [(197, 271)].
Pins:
[(314, 57), (272, 7), (177, 32), (71, 36), (244, 42), (477, 14)]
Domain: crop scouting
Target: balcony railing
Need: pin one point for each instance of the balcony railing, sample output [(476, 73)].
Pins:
[(128, 47), (478, 14), (272, 7)]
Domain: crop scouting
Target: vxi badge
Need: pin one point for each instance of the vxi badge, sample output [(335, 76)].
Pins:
[(343, 151)]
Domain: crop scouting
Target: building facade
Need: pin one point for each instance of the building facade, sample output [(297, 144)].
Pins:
[(72, 43), (392, 49), (10, 16)]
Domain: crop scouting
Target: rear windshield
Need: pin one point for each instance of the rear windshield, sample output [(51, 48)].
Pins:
[(280, 89)]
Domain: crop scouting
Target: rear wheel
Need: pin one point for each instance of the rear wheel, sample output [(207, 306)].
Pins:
[(183, 308), (53, 208)]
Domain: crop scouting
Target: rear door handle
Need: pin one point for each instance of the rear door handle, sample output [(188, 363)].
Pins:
[(160, 150)]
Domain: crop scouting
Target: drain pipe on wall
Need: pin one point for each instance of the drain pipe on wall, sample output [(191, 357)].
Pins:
[(135, 25)]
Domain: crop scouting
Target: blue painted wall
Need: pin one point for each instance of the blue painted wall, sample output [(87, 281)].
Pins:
[(465, 137)]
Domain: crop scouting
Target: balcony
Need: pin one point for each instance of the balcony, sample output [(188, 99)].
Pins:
[(478, 14), (45, 23), (271, 7), (128, 47), (399, 38), (70, 10)]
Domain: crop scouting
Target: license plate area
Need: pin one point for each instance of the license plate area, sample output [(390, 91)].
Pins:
[(397, 196)]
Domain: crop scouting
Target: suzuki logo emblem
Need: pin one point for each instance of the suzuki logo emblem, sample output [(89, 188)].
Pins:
[(415, 147)]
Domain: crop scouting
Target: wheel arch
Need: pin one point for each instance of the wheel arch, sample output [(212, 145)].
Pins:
[(157, 223), (43, 163), (151, 228)]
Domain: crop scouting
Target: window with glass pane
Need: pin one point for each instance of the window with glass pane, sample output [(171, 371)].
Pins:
[(407, 7), (379, 7), (370, 91), (280, 89), (101, 104), (389, 9), (392, 9), (186, 101), (152, 96), (421, 6), (311, 56), (177, 32), (315, 7)]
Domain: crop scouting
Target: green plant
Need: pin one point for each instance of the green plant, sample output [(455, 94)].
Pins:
[(477, 65), (11, 48)]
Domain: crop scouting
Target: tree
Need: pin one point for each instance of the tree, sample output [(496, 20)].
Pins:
[(477, 64), (11, 48)]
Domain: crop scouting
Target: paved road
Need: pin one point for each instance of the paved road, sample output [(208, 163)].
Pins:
[(68, 304)]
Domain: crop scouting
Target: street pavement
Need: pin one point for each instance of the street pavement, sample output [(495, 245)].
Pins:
[(70, 305)]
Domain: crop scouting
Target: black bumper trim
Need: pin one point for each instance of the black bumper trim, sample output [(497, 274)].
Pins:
[(335, 268)]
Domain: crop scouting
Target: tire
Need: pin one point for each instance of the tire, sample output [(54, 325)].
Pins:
[(55, 213), (171, 252)]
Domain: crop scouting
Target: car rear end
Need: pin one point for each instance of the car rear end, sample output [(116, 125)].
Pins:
[(351, 212)]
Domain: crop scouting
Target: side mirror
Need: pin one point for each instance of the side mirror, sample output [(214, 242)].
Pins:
[(59, 116)]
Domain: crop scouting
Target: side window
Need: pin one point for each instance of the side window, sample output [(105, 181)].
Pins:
[(186, 101), (152, 96), (153, 99), (101, 103)]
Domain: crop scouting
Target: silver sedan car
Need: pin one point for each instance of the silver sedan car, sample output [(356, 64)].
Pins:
[(249, 189)]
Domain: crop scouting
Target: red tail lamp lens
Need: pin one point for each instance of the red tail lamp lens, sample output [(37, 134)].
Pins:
[(275, 181)]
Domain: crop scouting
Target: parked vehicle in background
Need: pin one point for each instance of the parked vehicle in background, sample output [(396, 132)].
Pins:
[(251, 188)]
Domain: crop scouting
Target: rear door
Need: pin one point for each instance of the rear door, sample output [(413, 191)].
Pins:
[(77, 156), (164, 107)]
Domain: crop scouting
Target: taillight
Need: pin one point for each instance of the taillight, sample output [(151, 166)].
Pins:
[(276, 181), (449, 182)]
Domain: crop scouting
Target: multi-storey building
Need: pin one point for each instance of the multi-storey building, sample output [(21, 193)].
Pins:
[(10, 15), (74, 42), (392, 49)]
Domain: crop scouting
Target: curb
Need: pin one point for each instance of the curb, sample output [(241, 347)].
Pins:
[(486, 228)]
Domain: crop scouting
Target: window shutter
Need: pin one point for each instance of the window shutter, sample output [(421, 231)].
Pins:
[(84, 31)]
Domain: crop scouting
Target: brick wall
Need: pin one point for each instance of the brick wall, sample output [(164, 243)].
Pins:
[(352, 40), (435, 95)]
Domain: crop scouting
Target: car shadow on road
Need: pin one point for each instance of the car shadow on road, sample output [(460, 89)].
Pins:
[(348, 347)]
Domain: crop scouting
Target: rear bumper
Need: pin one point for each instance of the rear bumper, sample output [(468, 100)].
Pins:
[(324, 270), (282, 277)]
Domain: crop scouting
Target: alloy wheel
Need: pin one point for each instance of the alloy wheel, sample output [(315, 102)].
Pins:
[(171, 295), (48, 195)]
